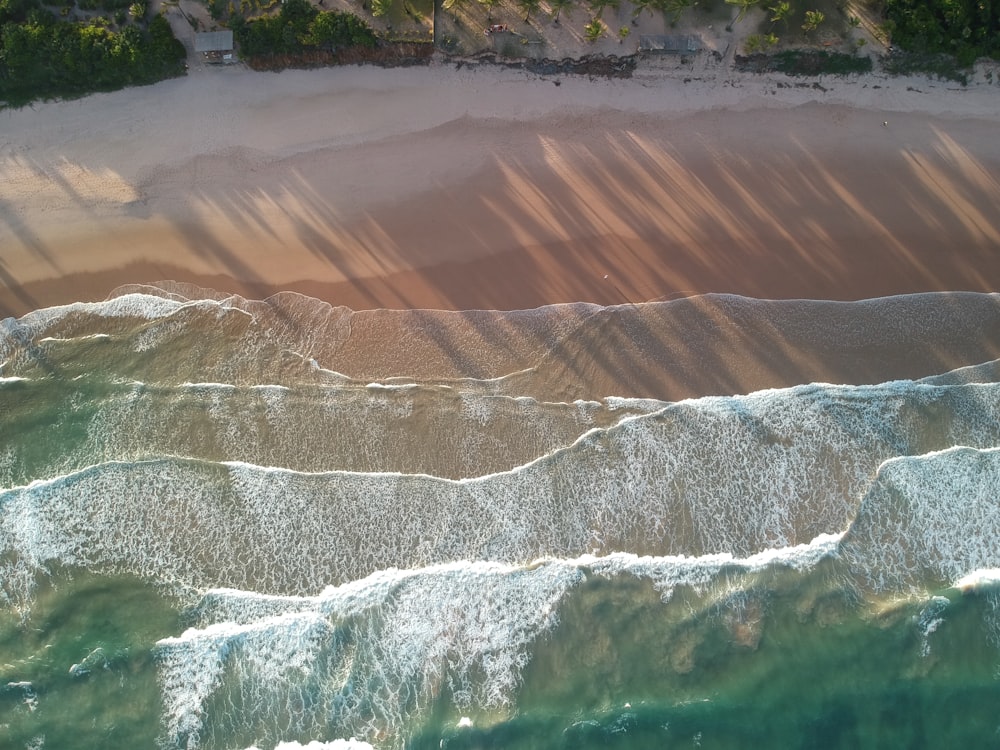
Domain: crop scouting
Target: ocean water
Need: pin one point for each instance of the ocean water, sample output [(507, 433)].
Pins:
[(228, 524)]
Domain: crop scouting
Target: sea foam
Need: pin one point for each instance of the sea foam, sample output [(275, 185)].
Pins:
[(711, 476), (369, 654), (374, 653), (928, 520)]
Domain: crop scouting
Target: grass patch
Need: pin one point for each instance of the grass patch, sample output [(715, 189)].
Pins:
[(945, 67), (805, 63), (388, 55), (820, 62)]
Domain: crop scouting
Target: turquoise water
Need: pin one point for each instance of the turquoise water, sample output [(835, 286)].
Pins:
[(80, 671), (212, 537)]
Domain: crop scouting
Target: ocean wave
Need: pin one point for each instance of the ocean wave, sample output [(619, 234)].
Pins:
[(979, 579), (927, 520), (712, 344), (373, 429), (466, 534), (738, 476), (374, 653), (370, 654)]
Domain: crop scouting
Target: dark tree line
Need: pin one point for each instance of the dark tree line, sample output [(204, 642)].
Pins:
[(299, 27), (967, 29), (44, 57)]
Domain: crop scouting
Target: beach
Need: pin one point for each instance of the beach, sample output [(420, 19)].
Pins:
[(458, 406), (494, 189)]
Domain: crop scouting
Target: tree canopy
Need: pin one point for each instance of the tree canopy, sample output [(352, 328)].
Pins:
[(300, 27), (43, 57), (967, 29)]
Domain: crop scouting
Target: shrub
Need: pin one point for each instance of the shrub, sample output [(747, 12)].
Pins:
[(807, 62), (300, 28)]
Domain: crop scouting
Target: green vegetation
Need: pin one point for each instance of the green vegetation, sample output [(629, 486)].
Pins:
[(813, 19), (529, 7), (967, 29), (558, 6), (759, 42), (674, 7), (819, 62), (744, 6), (44, 57), (599, 6), (300, 28), (780, 12), (46, 51), (942, 66)]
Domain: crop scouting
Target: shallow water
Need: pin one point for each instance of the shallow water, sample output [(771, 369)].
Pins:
[(219, 530)]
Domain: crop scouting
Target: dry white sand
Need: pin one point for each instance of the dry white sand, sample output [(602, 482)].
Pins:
[(492, 188)]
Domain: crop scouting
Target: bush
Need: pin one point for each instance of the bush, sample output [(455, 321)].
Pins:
[(946, 67), (814, 63), (300, 28), (805, 63)]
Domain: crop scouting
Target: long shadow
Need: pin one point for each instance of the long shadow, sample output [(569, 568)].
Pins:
[(25, 235), (17, 292)]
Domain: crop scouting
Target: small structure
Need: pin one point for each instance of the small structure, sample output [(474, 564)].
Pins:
[(215, 46), (496, 28), (670, 44)]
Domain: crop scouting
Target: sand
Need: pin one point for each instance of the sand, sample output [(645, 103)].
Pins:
[(484, 188)]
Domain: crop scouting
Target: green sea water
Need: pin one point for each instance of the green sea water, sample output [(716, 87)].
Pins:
[(792, 661), (819, 672), (80, 670)]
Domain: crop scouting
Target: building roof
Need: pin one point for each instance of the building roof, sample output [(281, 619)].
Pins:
[(670, 43), (213, 41)]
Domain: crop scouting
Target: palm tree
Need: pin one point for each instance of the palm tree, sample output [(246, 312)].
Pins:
[(780, 12), (676, 7), (557, 7), (813, 19), (745, 5), (638, 6), (594, 29), (598, 6), (529, 7)]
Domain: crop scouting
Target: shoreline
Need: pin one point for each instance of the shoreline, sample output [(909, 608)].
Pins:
[(445, 188)]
